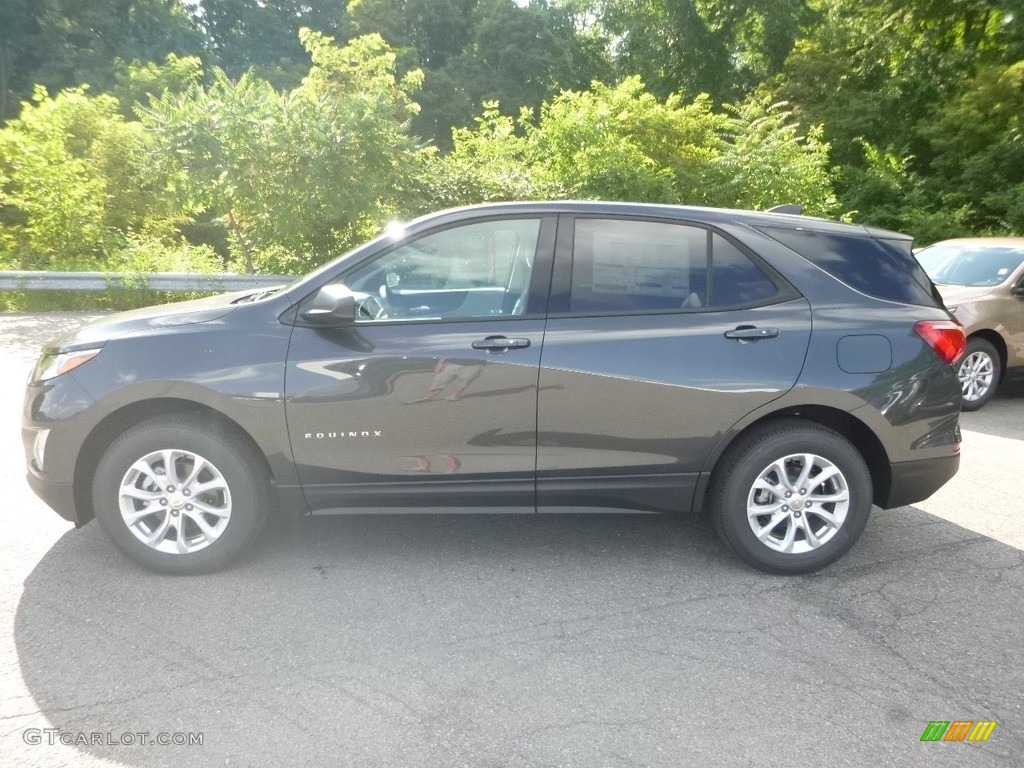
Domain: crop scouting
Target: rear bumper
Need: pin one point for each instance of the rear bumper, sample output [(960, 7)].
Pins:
[(914, 481)]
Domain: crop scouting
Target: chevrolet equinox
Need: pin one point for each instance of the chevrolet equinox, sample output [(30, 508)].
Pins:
[(778, 372)]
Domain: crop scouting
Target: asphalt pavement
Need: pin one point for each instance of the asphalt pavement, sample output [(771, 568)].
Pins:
[(586, 640)]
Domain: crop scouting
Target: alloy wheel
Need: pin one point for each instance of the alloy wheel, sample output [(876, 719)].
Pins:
[(175, 501), (976, 374), (798, 503)]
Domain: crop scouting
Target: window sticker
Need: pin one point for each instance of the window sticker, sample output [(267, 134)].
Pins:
[(644, 268)]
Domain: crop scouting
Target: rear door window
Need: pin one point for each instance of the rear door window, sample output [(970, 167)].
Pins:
[(624, 266)]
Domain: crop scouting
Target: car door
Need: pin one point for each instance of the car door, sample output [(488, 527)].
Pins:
[(429, 396), (660, 337)]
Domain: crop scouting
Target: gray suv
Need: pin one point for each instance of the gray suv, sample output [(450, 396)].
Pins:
[(780, 373)]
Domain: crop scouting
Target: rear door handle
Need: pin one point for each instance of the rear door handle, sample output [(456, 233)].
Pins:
[(751, 333), (500, 344)]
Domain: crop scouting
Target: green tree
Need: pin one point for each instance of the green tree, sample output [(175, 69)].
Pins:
[(263, 36), (885, 192), (75, 185), (297, 177), (83, 39), (517, 56), (912, 144), (66, 43), (490, 162), (766, 160), (138, 82), (471, 51), (720, 47), (977, 145), (21, 52), (429, 32), (622, 143)]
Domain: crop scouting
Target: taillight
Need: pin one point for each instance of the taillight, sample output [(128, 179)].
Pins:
[(946, 337)]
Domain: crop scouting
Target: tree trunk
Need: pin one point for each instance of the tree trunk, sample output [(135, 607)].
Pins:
[(237, 232)]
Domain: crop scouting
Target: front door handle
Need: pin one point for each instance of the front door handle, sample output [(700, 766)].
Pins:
[(500, 344), (751, 333)]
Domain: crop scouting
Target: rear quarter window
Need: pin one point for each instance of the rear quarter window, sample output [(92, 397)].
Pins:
[(885, 269)]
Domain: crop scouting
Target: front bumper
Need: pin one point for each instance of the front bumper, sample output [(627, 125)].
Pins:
[(53, 408), (60, 497)]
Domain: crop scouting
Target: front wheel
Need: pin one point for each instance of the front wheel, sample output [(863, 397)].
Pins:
[(791, 497), (978, 373), (179, 496)]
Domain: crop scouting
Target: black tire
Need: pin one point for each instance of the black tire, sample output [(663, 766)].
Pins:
[(979, 373), (231, 479), (751, 459)]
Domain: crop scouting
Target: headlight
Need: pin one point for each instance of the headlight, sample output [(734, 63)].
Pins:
[(52, 365)]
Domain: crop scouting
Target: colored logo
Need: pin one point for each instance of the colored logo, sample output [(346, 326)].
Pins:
[(958, 730)]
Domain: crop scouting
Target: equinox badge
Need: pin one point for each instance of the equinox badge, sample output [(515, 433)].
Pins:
[(340, 434)]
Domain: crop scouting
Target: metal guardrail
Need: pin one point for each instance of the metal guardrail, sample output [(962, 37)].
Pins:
[(153, 281)]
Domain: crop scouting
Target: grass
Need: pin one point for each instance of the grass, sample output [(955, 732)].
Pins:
[(72, 301)]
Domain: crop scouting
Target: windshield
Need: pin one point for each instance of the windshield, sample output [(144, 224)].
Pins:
[(973, 265)]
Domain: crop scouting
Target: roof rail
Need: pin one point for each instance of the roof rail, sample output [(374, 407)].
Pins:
[(793, 208)]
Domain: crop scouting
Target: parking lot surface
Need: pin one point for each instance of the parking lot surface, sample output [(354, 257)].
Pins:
[(584, 640)]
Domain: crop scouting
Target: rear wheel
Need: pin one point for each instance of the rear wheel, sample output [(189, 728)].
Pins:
[(978, 373), (791, 497), (179, 497)]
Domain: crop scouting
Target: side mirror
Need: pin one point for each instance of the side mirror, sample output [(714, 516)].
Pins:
[(1017, 290), (333, 305)]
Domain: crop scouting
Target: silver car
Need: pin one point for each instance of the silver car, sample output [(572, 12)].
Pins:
[(982, 282)]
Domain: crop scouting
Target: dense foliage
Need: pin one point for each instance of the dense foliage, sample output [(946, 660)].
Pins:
[(271, 136)]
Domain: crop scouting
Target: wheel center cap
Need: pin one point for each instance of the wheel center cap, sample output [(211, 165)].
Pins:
[(797, 503), (176, 500)]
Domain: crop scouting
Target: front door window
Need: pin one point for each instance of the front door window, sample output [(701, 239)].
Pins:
[(476, 270)]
